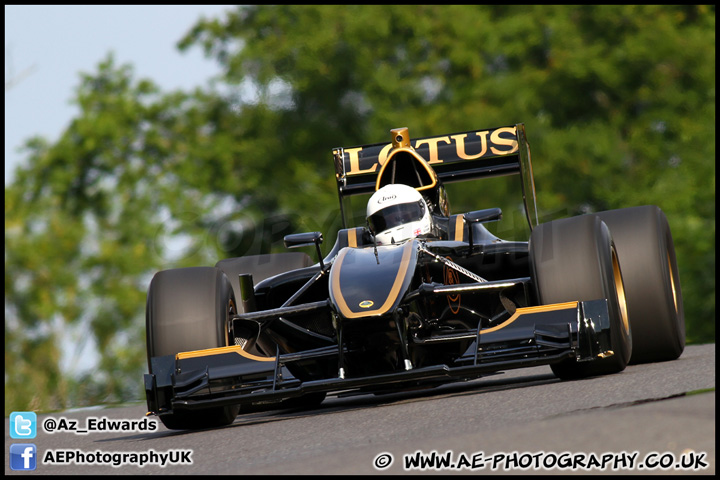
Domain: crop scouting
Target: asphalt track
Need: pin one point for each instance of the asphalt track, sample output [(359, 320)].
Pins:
[(650, 419)]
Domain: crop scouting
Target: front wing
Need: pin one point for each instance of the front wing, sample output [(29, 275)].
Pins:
[(540, 335)]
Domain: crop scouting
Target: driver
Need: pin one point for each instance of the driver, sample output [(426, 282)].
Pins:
[(396, 213)]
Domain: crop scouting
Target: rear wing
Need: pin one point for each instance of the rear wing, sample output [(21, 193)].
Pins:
[(454, 157)]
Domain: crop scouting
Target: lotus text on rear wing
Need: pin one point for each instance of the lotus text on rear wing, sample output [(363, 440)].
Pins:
[(466, 146)]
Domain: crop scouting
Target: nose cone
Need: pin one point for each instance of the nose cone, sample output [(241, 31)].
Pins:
[(363, 285)]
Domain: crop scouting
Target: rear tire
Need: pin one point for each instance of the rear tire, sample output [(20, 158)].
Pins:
[(262, 266), (575, 259), (188, 309), (652, 282)]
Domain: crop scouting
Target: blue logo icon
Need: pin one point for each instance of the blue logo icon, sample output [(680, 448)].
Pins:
[(23, 425), (23, 456)]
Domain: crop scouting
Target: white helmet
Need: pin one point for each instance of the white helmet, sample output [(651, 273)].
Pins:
[(397, 212)]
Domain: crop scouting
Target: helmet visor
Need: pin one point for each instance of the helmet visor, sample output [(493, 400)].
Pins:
[(395, 215)]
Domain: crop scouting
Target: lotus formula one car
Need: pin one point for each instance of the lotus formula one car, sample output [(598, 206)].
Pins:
[(416, 296)]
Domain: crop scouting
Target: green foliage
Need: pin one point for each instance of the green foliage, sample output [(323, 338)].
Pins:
[(618, 102)]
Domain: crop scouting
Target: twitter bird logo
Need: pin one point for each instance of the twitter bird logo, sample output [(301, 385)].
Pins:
[(23, 425)]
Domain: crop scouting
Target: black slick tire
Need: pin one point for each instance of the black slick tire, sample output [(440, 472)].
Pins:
[(261, 267), (187, 310), (652, 282), (575, 259)]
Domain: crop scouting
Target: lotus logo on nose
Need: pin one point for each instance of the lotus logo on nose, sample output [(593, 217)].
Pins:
[(366, 304)]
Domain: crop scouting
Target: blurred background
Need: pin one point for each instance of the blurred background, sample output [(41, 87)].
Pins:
[(147, 174)]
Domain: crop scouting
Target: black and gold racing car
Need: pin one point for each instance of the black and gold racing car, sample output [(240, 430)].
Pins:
[(585, 295)]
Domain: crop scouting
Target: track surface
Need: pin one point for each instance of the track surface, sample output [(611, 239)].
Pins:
[(647, 414)]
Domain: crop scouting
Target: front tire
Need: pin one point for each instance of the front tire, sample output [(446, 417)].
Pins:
[(188, 309), (652, 281), (575, 259)]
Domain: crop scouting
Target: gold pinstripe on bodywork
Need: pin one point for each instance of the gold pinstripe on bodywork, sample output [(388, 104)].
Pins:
[(422, 162), (222, 350), (529, 310), (401, 143)]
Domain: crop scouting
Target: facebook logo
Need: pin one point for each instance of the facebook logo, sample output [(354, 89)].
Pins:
[(23, 456), (23, 425)]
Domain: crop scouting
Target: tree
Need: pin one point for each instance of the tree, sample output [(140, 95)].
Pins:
[(618, 102)]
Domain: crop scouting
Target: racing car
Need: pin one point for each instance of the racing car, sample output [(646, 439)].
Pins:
[(416, 296)]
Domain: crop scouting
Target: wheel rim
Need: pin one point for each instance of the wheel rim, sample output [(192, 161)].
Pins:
[(620, 289), (672, 283)]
